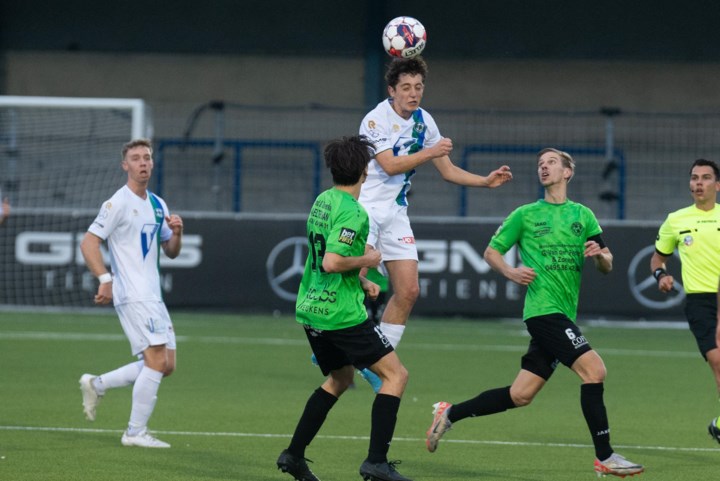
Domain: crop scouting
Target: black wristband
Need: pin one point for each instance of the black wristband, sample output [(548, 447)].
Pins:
[(659, 273)]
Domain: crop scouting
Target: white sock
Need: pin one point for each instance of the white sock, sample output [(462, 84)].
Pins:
[(120, 377), (393, 332), (144, 397)]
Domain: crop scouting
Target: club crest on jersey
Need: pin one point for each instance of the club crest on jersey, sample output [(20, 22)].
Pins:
[(347, 236), (577, 228), (688, 240), (419, 127)]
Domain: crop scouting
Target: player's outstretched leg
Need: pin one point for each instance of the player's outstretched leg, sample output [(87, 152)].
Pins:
[(91, 398), (714, 429), (381, 471), (295, 466), (440, 425), (617, 466)]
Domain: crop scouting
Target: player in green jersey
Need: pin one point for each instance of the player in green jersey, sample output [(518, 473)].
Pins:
[(330, 308), (555, 236), (695, 232)]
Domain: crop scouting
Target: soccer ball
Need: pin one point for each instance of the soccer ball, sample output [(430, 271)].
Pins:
[(404, 37)]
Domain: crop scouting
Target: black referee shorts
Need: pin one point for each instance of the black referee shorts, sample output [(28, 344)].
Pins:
[(701, 314), (361, 346), (554, 339)]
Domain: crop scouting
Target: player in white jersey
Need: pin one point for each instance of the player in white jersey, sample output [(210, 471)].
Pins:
[(405, 136), (136, 224)]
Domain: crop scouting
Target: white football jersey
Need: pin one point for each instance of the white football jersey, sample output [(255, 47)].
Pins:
[(388, 131), (130, 225)]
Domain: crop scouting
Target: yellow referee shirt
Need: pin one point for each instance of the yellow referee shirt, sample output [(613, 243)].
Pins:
[(696, 235)]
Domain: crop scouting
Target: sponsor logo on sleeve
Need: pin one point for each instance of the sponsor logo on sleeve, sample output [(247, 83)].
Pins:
[(374, 133), (347, 236)]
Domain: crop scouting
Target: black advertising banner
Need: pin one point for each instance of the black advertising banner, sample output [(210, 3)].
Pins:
[(254, 263), (454, 278)]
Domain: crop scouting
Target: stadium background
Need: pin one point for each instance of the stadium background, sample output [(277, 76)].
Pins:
[(630, 89), (504, 74)]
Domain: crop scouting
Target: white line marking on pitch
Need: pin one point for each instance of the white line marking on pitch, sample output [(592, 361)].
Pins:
[(80, 336), (350, 438)]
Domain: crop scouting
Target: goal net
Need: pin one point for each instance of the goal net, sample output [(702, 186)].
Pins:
[(59, 159)]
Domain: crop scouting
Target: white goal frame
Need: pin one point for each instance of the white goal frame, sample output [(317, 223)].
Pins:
[(59, 167), (141, 124)]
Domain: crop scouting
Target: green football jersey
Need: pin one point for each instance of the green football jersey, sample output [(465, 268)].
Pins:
[(328, 301), (551, 240)]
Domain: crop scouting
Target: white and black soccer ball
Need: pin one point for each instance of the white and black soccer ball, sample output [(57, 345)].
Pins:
[(404, 37)]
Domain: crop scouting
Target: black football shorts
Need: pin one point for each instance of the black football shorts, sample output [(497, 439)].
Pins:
[(362, 346), (701, 314), (554, 339)]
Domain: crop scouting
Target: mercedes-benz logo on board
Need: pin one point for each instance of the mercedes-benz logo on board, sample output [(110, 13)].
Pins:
[(643, 285), (285, 266)]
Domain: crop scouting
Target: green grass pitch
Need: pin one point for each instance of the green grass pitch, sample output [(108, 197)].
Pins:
[(242, 382)]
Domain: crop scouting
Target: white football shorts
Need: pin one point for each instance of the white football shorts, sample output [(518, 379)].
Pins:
[(146, 324), (391, 234)]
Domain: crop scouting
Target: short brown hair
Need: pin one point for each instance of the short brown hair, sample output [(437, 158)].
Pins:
[(399, 66), (136, 143)]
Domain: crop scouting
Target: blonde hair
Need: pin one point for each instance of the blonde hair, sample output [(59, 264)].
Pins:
[(567, 159)]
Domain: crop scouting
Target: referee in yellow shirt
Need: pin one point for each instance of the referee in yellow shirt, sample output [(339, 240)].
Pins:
[(695, 232)]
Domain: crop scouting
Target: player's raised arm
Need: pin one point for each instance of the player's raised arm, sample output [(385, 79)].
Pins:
[(393, 165), (456, 175)]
